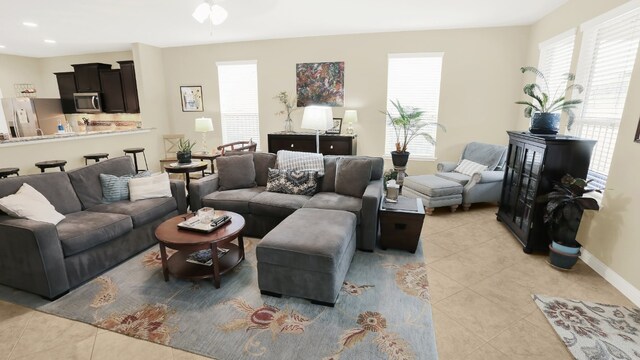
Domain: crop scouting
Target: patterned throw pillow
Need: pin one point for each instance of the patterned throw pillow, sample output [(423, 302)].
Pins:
[(296, 182), (297, 160), (116, 188), (469, 167)]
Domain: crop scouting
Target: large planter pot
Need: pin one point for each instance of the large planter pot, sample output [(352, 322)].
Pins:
[(545, 123), (561, 259), (184, 157), (565, 249), (399, 159)]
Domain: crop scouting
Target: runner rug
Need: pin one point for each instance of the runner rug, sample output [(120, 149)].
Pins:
[(383, 311), (593, 331)]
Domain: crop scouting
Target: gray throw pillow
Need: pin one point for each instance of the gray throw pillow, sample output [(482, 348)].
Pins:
[(116, 188), (295, 182), (352, 176), (236, 172)]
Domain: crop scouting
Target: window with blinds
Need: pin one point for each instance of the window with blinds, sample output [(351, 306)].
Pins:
[(555, 61), (609, 48), (414, 80), (238, 84)]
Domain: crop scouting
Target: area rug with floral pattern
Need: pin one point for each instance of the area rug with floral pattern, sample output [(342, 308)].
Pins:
[(383, 311), (593, 331)]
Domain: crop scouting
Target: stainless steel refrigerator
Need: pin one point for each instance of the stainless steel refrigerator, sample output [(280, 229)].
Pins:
[(25, 116)]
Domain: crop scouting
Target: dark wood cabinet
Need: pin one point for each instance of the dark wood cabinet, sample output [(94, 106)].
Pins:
[(112, 98), (88, 76), (534, 164), (66, 88), (129, 86), (329, 144)]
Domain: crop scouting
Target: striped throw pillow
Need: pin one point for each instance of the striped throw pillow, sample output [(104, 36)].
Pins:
[(116, 188), (297, 160), (469, 167)]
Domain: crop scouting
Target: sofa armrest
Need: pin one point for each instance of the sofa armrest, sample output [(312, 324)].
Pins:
[(201, 188), (31, 257), (446, 166), (369, 217), (179, 192)]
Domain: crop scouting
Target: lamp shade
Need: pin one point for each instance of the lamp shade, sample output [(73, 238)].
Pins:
[(317, 118), (350, 116), (204, 124)]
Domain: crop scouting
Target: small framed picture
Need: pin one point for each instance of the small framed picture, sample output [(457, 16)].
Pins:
[(637, 139), (191, 97), (337, 126)]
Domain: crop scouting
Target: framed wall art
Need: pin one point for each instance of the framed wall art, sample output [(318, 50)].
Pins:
[(337, 127), (637, 138), (191, 97), (320, 84)]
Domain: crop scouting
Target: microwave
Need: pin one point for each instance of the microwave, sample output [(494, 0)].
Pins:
[(87, 102)]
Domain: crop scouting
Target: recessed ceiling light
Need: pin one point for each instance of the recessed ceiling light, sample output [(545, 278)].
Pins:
[(30, 24), (48, 41)]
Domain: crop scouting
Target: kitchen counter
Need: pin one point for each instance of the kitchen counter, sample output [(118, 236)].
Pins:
[(69, 136)]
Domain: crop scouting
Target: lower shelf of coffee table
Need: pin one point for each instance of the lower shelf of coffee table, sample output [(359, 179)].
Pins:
[(179, 266)]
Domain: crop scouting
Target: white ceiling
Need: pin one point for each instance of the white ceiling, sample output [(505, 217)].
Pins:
[(89, 26)]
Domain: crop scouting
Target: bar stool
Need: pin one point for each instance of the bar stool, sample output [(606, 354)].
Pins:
[(96, 157), (135, 152), (4, 172), (51, 164)]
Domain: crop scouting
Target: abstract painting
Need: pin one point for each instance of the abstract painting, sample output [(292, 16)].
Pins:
[(320, 84)]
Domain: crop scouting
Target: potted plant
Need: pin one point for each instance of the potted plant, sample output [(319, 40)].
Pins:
[(545, 108), (562, 215), (408, 125), (184, 151), (289, 107)]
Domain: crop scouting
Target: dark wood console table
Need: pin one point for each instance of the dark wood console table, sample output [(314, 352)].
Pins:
[(329, 144)]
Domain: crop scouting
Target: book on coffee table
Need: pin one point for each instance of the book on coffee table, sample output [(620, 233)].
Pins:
[(203, 257)]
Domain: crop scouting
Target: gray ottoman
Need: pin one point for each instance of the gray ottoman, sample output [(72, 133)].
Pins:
[(307, 255), (434, 191)]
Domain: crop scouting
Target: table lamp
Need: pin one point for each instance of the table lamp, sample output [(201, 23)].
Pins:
[(204, 125), (351, 116), (317, 118)]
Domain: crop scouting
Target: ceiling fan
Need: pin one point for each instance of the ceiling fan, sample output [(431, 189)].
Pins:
[(208, 10)]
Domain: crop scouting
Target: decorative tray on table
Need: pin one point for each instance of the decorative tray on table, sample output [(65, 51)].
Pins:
[(194, 224)]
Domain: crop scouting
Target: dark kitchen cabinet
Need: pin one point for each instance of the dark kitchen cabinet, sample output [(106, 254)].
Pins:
[(534, 164), (112, 98), (329, 144), (88, 76), (129, 86), (66, 88)]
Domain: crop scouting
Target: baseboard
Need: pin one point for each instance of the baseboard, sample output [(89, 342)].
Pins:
[(611, 276)]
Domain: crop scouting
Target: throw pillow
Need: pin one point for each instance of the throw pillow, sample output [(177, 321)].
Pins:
[(116, 188), (352, 176), (296, 182), (29, 203), (469, 167), (296, 160), (154, 186), (236, 172)]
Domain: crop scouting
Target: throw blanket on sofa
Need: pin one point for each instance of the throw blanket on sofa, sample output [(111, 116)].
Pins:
[(295, 160)]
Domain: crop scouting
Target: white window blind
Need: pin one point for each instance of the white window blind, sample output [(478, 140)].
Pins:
[(555, 61), (414, 80), (238, 84), (609, 49)]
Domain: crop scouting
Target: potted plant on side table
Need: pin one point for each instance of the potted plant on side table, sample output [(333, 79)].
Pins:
[(562, 217), (184, 151), (545, 108)]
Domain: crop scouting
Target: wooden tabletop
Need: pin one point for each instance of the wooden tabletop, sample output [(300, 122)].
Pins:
[(187, 168), (169, 234)]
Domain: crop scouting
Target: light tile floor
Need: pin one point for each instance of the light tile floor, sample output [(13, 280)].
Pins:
[(481, 284)]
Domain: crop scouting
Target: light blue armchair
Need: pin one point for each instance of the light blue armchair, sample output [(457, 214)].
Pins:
[(484, 186)]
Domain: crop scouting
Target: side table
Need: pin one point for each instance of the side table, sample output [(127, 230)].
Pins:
[(207, 156), (401, 224), (175, 168)]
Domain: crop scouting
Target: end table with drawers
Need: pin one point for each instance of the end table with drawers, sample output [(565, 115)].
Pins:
[(401, 223)]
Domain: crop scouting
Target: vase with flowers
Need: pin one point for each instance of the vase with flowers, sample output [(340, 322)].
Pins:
[(289, 107)]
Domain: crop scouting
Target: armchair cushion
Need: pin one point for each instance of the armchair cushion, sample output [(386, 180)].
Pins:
[(461, 179), (469, 167)]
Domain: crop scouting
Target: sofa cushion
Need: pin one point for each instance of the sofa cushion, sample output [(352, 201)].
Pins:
[(86, 180), (83, 230), (141, 212), (352, 176), (30, 204), (328, 181), (236, 172), (276, 204), (461, 179), (232, 200), (55, 186), (330, 200), (262, 163), (432, 185), (294, 182)]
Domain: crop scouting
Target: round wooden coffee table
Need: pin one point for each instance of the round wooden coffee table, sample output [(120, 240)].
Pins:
[(187, 242)]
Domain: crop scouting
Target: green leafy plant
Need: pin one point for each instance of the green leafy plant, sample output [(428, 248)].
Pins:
[(409, 124), (543, 102), (185, 145), (565, 205), (390, 174), (288, 103)]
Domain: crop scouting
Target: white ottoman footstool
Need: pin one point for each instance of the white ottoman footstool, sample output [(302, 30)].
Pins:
[(434, 191)]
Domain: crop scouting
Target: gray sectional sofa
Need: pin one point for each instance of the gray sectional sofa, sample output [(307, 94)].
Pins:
[(263, 210), (48, 259)]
